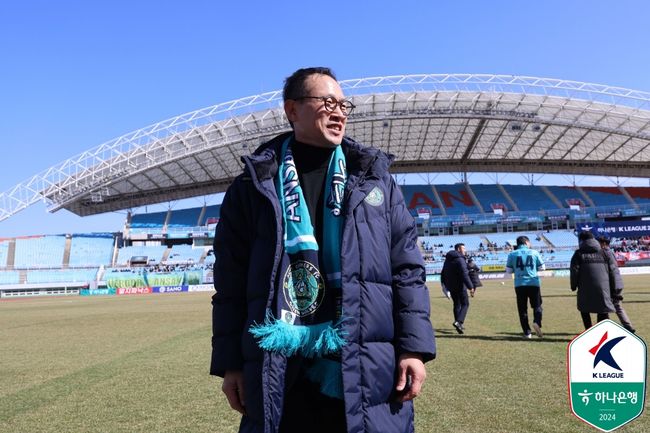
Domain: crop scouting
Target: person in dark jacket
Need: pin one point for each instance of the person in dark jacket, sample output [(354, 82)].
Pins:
[(321, 312), (473, 270), (617, 294), (593, 276), (455, 277)]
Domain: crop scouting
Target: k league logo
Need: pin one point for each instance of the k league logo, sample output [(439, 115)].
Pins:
[(607, 376)]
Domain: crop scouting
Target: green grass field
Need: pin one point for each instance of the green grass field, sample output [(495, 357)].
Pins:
[(140, 364)]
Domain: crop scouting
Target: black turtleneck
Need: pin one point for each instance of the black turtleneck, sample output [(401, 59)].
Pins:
[(312, 163)]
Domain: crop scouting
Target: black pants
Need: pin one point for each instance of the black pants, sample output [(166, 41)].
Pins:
[(586, 318), (307, 410), (461, 304), (534, 295)]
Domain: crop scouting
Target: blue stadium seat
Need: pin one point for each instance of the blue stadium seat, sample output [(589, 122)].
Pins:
[(185, 217), (606, 196), (41, 251), (86, 251), (529, 197), (488, 196)]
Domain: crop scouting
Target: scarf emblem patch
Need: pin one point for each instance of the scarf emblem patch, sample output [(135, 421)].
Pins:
[(303, 288), (375, 197)]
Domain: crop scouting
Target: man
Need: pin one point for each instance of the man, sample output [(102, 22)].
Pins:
[(593, 276), (321, 315), (455, 277), (617, 294), (525, 264)]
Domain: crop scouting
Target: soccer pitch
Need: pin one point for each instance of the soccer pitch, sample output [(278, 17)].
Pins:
[(140, 364)]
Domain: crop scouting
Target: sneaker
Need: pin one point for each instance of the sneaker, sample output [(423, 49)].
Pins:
[(459, 327), (538, 330), (528, 336)]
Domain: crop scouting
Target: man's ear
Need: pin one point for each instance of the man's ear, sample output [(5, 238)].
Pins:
[(290, 109)]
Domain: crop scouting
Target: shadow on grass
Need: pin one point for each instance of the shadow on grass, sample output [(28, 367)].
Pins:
[(551, 337)]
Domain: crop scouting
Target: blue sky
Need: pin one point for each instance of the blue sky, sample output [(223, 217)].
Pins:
[(76, 74)]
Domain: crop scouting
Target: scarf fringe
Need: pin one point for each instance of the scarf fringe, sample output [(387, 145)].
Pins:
[(310, 340), (327, 374)]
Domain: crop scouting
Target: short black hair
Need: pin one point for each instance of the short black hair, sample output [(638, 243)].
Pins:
[(294, 85), (522, 240), (585, 235), (458, 245)]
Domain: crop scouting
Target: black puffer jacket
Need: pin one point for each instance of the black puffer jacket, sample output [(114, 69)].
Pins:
[(454, 274), (593, 275)]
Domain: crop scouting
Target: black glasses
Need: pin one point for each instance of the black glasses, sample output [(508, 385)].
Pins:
[(331, 102)]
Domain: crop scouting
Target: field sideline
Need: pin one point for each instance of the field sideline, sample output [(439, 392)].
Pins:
[(140, 364)]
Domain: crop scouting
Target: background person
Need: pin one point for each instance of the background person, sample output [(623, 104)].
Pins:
[(593, 276), (525, 263), (617, 294), (321, 312), (473, 270), (455, 277)]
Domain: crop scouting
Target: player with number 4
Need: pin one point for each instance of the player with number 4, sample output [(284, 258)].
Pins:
[(525, 264)]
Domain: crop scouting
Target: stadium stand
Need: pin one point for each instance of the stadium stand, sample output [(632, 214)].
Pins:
[(211, 216), (41, 251), (490, 197), (567, 195), (606, 196), (562, 238), (9, 277), (185, 217), (4, 253), (154, 219), (96, 250), (472, 242), (500, 239), (456, 199), (185, 254), (61, 276), (529, 197), (420, 198), (151, 252), (640, 195)]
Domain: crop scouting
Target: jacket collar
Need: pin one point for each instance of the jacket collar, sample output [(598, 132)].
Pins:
[(362, 162)]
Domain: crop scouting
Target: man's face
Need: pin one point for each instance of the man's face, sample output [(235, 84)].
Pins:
[(312, 123), (461, 249)]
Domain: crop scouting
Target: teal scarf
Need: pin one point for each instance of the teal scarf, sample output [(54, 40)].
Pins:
[(307, 317)]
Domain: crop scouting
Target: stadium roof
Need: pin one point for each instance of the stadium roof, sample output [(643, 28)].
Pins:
[(431, 123)]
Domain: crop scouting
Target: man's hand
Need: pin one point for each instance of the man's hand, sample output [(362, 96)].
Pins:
[(233, 387), (410, 365), (471, 292)]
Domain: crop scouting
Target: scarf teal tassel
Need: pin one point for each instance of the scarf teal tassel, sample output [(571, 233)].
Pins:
[(310, 341)]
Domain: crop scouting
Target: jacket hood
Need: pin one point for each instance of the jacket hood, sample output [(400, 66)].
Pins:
[(589, 246)]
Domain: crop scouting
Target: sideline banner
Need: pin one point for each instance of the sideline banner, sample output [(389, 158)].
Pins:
[(606, 366), (493, 268), (201, 288), (97, 292), (133, 290), (169, 289), (618, 229), (635, 270)]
